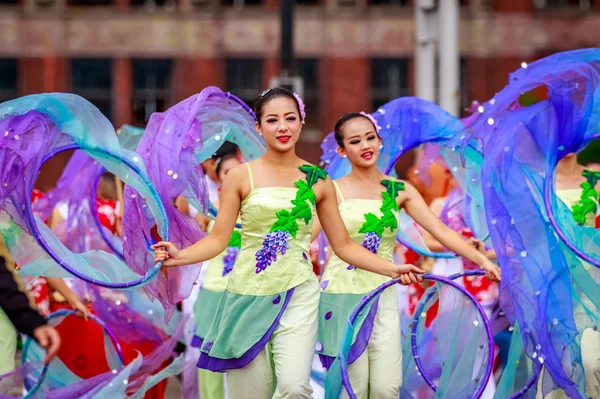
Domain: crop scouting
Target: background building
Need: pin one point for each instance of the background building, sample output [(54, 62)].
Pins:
[(135, 57)]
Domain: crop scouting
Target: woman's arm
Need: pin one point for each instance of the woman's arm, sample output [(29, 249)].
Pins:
[(59, 285), (431, 243), (55, 219), (350, 251), (216, 241), (480, 246), (416, 208), (182, 205)]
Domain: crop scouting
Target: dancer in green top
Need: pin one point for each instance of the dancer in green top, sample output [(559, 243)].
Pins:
[(369, 203), (265, 329)]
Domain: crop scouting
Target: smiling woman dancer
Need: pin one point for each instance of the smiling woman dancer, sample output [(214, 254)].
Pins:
[(369, 203), (265, 329)]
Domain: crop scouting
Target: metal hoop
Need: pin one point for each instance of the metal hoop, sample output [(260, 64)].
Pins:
[(29, 217), (554, 223), (377, 292), (67, 312)]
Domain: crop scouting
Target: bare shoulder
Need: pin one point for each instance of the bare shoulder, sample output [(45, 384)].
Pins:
[(305, 162), (342, 180), (236, 173), (321, 181), (406, 192), (237, 179), (403, 185)]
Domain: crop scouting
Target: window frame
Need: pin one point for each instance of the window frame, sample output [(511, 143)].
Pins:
[(95, 95), (388, 94), (158, 93), (246, 94)]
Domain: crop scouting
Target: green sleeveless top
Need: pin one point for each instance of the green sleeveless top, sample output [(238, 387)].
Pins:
[(374, 225), (273, 260), (276, 233)]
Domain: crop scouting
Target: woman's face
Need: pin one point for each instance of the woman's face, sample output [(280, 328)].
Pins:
[(209, 169), (226, 166), (361, 142), (280, 124)]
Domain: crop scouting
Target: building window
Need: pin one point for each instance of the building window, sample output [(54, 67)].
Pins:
[(308, 70), (389, 80), (91, 78), (152, 88), (244, 79), (583, 5), (90, 2), (389, 2), (241, 3), (8, 79), (152, 4)]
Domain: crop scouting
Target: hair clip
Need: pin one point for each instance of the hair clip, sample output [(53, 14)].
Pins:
[(373, 121), (264, 92), (300, 106)]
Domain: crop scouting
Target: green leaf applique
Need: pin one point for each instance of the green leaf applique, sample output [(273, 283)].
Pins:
[(235, 240), (588, 204), (393, 187), (313, 174), (388, 219), (286, 225)]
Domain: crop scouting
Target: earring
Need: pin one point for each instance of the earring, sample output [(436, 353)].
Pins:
[(344, 156), (381, 146)]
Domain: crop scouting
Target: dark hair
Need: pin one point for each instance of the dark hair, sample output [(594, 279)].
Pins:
[(226, 148), (271, 94), (219, 162), (108, 176), (339, 136)]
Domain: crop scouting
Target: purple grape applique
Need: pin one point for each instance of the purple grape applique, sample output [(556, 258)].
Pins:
[(374, 226), (286, 226), (273, 243)]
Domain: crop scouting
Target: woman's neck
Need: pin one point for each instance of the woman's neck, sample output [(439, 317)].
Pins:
[(278, 159), (569, 174), (365, 174), (568, 167)]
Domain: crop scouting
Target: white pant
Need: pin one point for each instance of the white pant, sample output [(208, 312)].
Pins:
[(282, 369), (377, 373)]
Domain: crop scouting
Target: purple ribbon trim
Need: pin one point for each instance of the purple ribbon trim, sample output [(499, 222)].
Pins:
[(217, 365), (361, 341)]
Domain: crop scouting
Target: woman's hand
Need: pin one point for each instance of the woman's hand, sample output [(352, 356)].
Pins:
[(408, 274), (166, 253), (492, 271), (48, 339), (82, 311)]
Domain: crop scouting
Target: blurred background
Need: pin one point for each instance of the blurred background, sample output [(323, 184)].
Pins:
[(135, 57)]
